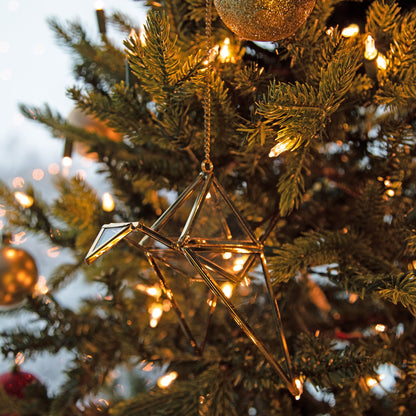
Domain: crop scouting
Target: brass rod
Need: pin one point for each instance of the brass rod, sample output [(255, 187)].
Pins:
[(169, 294), (241, 322), (276, 316), (196, 208)]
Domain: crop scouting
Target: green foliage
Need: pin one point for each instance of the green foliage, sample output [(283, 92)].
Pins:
[(336, 205)]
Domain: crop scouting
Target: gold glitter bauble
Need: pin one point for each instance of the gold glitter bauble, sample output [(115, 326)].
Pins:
[(18, 275), (264, 20)]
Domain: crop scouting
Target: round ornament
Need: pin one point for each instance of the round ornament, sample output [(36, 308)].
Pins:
[(264, 20), (15, 382), (18, 275)]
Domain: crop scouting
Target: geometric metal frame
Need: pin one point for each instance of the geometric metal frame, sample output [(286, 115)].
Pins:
[(193, 249)]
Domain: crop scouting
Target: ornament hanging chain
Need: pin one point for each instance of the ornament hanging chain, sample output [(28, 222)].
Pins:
[(207, 165)]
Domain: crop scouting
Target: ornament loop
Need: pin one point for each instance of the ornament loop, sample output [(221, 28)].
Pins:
[(207, 166)]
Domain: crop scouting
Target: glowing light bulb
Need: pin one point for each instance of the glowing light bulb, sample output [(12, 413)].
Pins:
[(107, 202), (67, 161), (38, 174), (53, 168), (370, 52), (18, 182), (227, 289), (24, 200), (156, 310), (380, 328), (166, 380), (154, 291), (153, 323), (279, 148), (350, 31), (99, 5), (238, 265), (381, 62), (53, 252), (299, 386), (41, 287), (227, 255), (225, 53), (19, 359), (371, 382)]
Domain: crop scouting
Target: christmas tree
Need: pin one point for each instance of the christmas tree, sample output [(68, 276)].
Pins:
[(312, 139)]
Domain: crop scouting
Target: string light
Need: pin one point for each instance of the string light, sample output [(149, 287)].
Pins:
[(371, 382), (238, 265), (53, 168), (225, 53), (38, 174), (279, 148), (18, 182), (67, 162), (380, 328), (381, 61), (19, 238), (350, 31), (227, 289), (299, 386), (24, 200), (370, 52), (41, 287), (53, 252), (154, 291), (19, 359), (167, 379), (156, 310), (107, 202)]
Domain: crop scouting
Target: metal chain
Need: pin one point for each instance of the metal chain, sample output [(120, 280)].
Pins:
[(207, 164)]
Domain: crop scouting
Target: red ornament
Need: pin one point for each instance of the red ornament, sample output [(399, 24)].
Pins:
[(14, 382)]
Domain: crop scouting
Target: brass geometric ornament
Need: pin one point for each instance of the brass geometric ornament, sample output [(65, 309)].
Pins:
[(202, 237)]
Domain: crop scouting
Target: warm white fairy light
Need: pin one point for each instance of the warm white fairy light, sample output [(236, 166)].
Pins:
[(370, 51), (380, 328), (53, 168), (299, 386), (108, 202), (225, 53), (238, 265), (154, 291), (18, 182), (227, 255), (156, 310), (227, 289), (24, 200), (167, 379), (66, 162), (371, 382), (38, 174), (279, 148), (350, 31), (19, 359), (53, 252), (99, 5), (381, 62), (41, 287)]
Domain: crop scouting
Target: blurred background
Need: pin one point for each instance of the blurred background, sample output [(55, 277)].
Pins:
[(35, 70)]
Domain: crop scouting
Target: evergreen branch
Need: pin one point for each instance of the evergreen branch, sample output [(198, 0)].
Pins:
[(291, 183), (400, 289), (34, 218), (328, 367)]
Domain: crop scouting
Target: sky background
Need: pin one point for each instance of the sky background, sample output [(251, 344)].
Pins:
[(34, 70)]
